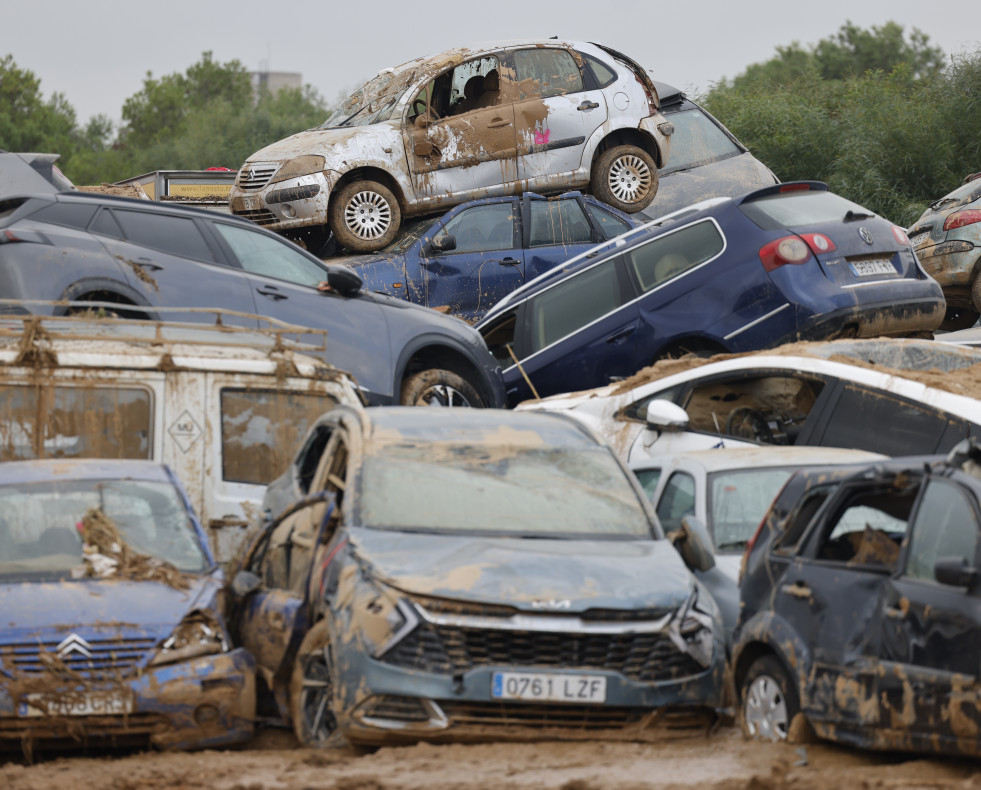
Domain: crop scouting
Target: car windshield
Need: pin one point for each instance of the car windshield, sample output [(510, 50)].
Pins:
[(696, 141), (456, 488), (373, 102), (409, 234), (737, 501), (799, 208), (39, 533)]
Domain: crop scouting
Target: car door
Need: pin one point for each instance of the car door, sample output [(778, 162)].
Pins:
[(485, 264), (555, 230), (929, 639), (284, 282), (457, 144), (555, 114), (172, 263)]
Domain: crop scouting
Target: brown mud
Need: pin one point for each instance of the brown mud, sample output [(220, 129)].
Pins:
[(723, 761)]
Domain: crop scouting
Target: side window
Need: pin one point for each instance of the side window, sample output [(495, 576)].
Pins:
[(800, 518), (176, 235), (559, 221), (677, 500), (771, 408), (105, 225), (260, 430), (575, 302), (868, 527), (71, 215), (602, 73), (500, 338), (270, 257), (608, 224), (483, 228), (667, 256), (946, 525), (473, 85), (546, 72), (697, 141), (648, 478), (859, 415)]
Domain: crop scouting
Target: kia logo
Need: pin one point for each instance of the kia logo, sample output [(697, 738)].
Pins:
[(864, 233)]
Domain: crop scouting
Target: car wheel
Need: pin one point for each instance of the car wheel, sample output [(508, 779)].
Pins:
[(365, 216), (311, 690), (625, 177), (769, 700), (439, 387), (958, 318)]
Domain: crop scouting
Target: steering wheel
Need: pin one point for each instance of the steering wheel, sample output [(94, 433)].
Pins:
[(748, 423), (425, 108)]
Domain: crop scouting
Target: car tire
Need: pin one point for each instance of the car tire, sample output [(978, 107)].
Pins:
[(438, 387), (958, 318), (365, 216), (625, 177), (311, 691), (769, 700)]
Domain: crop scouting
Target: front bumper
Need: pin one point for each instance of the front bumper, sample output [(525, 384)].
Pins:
[(294, 203), (208, 701)]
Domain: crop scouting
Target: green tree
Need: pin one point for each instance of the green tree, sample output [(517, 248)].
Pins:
[(28, 122)]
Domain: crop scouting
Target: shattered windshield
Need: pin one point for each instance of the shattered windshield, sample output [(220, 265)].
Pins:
[(41, 524), (373, 102), (528, 492)]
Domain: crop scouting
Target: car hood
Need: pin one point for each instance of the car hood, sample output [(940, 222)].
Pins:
[(344, 147), (566, 575)]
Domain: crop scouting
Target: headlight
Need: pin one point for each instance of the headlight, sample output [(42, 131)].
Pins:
[(301, 166), (693, 632), (199, 634)]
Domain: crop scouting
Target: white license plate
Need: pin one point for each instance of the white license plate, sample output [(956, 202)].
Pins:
[(919, 239), (548, 687), (89, 703), (246, 203), (867, 268)]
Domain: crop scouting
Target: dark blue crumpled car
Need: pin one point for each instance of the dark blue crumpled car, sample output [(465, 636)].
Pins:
[(111, 632)]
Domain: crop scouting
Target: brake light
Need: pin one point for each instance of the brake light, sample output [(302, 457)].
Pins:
[(900, 235), (795, 188), (961, 218), (818, 243), (789, 249)]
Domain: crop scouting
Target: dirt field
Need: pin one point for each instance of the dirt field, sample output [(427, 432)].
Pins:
[(724, 761)]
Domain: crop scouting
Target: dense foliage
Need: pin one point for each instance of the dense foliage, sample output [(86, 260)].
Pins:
[(874, 114)]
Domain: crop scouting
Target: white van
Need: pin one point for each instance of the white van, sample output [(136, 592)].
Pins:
[(224, 407)]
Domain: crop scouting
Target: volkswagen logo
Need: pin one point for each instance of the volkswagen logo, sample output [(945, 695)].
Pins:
[(73, 643), (864, 233)]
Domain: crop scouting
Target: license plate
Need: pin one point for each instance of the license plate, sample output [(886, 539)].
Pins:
[(867, 268), (89, 703), (246, 203), (919, 239), (548, 687)]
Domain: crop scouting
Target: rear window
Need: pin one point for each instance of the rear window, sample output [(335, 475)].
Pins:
[(696, 141), (798, 209), (71, 215)]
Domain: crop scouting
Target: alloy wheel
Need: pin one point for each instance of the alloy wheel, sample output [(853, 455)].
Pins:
[(630, 178), (765, 709), (368, 215)]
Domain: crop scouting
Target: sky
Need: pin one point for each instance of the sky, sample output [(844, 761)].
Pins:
[(98, 52)]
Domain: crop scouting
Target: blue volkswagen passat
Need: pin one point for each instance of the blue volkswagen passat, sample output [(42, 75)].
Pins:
[(112, 632), (784, 263)]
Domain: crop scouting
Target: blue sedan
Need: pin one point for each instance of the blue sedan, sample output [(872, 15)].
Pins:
[(468, 259), (784, 263)]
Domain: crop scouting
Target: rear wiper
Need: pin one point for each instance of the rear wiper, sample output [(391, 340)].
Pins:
[(853, 215), (942, 202)]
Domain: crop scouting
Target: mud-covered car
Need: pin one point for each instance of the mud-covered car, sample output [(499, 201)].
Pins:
[(947, 240), (784, 263), (473, 574), (471, 122), (860, 607), (111, 629), (480, 251)]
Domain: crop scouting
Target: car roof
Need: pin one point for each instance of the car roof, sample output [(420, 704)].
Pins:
[(37, 471), (388, 425), (154, 206), (720, 459)]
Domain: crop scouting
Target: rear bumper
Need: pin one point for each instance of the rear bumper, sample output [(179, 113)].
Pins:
[(888, 319), (209, 701)]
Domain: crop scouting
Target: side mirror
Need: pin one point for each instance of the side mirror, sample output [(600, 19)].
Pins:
[(444, 243), (666, 416), (344, 280), (694, 544), (423, 148), (244, 583), (955, 572)]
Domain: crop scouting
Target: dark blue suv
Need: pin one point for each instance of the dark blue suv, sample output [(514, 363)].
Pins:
[(784, 263)]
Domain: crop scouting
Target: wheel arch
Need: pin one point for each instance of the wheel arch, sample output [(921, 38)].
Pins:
[(630, 136), (98, 289), (769, 635), (439, 352), (700, 345), (370, 173)]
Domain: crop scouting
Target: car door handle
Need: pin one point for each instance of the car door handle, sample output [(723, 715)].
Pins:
[(509, 262), (623, 334), (497, 123), (587, 105), (272, 293), (146, 263), (797, 589)]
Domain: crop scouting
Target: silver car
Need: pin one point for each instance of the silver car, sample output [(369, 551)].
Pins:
[(495, 119)]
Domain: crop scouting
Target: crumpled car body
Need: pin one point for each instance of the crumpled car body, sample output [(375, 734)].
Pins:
[(129, 649), (860, 607), (947, 240), (487, 576), (475, 122)]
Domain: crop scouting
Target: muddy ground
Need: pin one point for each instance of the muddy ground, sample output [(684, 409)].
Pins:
[(722, 760)]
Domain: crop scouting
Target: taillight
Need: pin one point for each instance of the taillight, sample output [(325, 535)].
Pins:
[(961, 218), (795, 188), (900, 235), (789, 249), (818, 243)]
